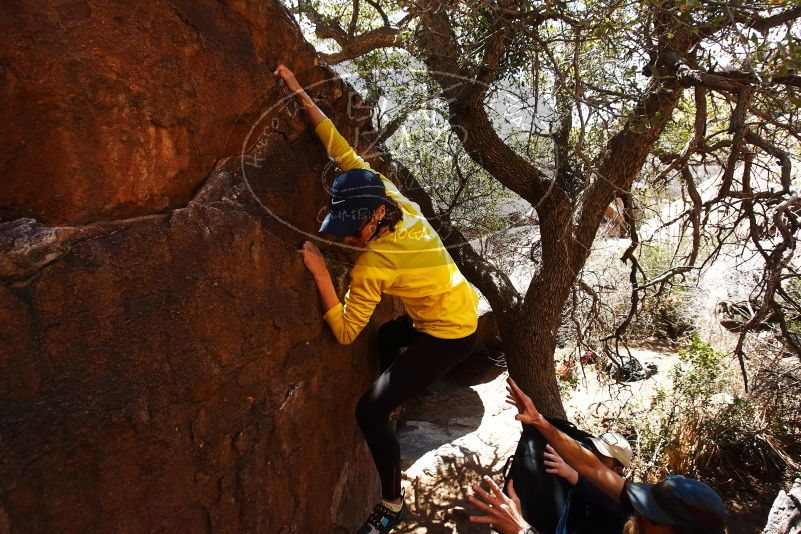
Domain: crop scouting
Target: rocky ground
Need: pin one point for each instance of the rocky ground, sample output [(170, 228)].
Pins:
[(457, 432)]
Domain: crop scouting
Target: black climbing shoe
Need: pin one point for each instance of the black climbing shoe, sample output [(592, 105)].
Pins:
[(382, 520)]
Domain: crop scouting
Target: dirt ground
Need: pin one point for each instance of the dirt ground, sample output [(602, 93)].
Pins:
[(457, 432), (461, 430)]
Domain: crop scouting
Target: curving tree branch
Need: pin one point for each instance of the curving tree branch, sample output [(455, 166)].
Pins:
[(353, 46)]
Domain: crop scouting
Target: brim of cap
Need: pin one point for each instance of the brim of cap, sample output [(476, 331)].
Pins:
[(338, 226), (601, 447), (642, 499)]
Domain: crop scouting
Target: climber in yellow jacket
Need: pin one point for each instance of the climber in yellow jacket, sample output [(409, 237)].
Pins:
[(401, 255)]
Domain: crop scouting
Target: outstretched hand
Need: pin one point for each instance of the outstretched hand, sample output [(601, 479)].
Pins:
[(503, 512), (527, 412), (289, 78), (556, 466), (315, 115)]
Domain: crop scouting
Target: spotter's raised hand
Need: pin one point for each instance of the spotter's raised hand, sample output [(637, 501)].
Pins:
[(527, 412)]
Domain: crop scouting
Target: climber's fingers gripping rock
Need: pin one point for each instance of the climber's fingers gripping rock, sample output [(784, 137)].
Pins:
[(313, 259), (288, 77)]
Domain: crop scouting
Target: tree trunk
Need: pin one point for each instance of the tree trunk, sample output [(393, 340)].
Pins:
[(529, 347), (530, 334)]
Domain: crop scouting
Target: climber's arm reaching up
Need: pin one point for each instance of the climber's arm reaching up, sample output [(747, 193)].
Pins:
[(336, 145), (315, 115)]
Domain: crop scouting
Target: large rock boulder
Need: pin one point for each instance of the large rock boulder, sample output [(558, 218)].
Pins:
[(163, 362), (785, 514), (121, 109)]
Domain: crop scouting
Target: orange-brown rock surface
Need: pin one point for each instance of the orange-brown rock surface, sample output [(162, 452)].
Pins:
[(163, 362), (117, 109)]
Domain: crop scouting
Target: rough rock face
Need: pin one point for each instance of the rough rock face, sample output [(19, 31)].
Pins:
[(785, 514), (168, 372), (122, 109)]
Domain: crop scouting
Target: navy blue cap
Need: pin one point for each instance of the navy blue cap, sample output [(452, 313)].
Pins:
[(679, 501), (354, 197)]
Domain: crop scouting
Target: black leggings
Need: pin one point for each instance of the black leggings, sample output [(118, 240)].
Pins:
[(426, 359)]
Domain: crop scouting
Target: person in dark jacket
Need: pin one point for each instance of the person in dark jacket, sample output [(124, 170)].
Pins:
[(675, 505), (588, 509)]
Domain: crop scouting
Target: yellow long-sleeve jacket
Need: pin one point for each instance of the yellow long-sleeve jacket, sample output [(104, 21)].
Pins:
[(410, 262)]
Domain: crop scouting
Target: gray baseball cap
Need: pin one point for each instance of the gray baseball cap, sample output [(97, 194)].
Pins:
[(681, 502)]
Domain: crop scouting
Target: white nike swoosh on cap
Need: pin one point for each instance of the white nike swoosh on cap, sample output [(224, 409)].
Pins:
[(334, 202)]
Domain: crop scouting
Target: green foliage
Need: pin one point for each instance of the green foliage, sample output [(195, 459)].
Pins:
[(655, 258), (679, 129), (567, 379), (792, 314), (665, 314), (456, 184), (698, 375), (704, 426)]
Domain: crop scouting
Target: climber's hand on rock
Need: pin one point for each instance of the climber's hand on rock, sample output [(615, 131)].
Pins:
[(289, 78), (315, 115), (313, 259)]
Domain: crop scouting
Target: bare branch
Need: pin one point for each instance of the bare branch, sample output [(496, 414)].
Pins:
[(383, 37), (736, 127), (628, 255), (354, 18), (775, 262), (468, 118), (352, 46), (381, 12), (763, 24), (392, 126), (779, 154), (692, 78), (749, 20)]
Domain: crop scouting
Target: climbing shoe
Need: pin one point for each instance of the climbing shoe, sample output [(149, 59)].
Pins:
[(382, 520)]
